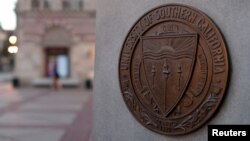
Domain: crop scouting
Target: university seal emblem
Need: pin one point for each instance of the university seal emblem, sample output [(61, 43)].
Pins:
[(173, 69)]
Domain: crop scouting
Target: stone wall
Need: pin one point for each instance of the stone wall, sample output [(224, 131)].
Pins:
[(112, 120), (29, 64), (82, 60)]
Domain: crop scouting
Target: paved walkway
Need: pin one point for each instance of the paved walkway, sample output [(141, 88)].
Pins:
[(45, 115)]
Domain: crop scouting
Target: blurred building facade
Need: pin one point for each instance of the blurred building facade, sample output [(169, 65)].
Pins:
[(50, 31), (3, 36), (6, 58)]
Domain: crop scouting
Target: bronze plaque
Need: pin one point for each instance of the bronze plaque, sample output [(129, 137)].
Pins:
[(173, 69)]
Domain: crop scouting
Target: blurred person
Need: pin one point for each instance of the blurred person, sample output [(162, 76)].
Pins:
[(55, 76)]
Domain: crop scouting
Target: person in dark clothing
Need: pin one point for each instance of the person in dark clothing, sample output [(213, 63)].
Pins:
[(55, 77)]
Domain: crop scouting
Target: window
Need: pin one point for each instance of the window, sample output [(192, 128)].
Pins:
[(35, 4), (80, 4), (65, 4), (46, 4)]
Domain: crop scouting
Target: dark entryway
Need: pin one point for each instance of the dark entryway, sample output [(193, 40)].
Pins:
[(59, 55)]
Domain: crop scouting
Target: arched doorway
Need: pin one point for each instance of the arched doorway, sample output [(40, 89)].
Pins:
[(57, 42)]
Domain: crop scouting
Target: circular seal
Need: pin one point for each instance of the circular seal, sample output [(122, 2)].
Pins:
[(173, 69)]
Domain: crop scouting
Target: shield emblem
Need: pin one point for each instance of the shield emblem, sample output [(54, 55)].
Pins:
[(168, 63)]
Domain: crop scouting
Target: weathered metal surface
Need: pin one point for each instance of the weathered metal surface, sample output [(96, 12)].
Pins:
[(173, 69)]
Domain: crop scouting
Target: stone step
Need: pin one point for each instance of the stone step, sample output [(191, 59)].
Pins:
[(63, 82)]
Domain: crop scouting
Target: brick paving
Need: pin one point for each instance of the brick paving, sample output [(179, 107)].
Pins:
[(30, 114)]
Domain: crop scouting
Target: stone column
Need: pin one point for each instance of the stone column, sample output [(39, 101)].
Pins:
[(82, 58), (29, 63)]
